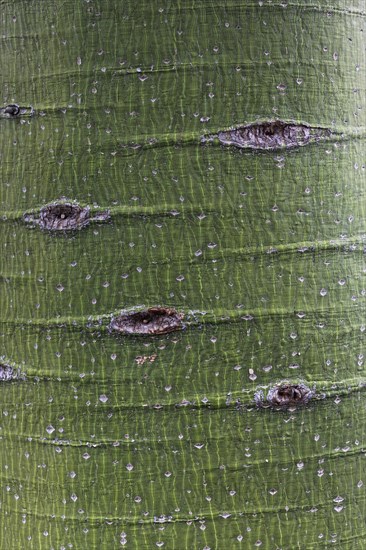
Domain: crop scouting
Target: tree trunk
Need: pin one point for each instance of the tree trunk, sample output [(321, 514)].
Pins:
[(208, 158)]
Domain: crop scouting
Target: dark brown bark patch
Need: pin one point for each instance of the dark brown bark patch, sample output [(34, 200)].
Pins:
[(285, 395), (13, 111), (271, 135), (154, 320), (63, 216)]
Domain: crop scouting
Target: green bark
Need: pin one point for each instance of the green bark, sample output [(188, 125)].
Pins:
[(111, 441)]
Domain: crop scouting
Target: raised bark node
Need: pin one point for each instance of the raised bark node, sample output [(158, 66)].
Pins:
[(271, 135), (154, 320), (285, 395)]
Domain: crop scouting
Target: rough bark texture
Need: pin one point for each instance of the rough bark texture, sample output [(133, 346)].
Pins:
[(112, 441)]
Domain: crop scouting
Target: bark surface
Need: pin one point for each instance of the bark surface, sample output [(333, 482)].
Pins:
[(157, 440)]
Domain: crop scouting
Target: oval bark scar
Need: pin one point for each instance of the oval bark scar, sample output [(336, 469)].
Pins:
[(13, 111), (285, 395), (272, 135), (65, 216), (154, 320)]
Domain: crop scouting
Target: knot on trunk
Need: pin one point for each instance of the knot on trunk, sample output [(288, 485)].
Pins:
[(154, 320), (13, 111), (63, 216), (285, 395), (271, 135)]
